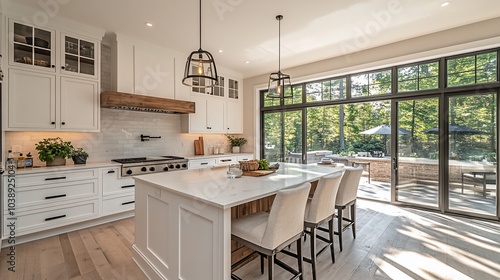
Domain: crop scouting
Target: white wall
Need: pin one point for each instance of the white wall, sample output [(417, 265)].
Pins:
[(477, 36)]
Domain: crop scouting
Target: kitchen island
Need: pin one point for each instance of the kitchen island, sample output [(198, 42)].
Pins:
[(183, 219)]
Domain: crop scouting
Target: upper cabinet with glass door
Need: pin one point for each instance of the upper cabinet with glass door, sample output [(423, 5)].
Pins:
[(31, 46), (78, 56)]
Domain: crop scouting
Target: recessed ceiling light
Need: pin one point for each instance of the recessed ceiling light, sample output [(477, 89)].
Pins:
[(149, 24), (247, 62), (444, 4), (220, 51)]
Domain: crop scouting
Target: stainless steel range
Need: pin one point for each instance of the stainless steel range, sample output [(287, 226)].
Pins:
[(148, 165)]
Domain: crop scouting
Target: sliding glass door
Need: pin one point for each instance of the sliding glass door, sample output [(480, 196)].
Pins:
[(416, 163), (472, 163), (283, 136)]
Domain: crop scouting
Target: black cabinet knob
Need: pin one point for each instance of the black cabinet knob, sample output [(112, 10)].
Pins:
[(53, 123), (63, 123), (53, 66), (62, 67)]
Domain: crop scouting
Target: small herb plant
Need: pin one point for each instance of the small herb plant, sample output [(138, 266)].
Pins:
[(236, 141), (50, 148), (79, 152)]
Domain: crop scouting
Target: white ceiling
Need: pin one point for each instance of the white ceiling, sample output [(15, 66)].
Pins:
[(247, 30)]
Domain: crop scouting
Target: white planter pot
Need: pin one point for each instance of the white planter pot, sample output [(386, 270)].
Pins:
[(236, 149)]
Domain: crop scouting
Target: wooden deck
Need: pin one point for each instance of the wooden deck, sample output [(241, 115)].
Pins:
[(392, 243)]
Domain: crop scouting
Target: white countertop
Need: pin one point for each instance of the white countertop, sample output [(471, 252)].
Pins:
[(67, 167), (212, 186)]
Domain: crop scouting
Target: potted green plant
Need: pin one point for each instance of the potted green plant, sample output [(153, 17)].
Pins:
[(54, 151), (236, 143), (79, 156)]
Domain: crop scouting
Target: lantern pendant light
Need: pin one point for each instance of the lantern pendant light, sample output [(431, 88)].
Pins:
[(279, 83), (200, 71)]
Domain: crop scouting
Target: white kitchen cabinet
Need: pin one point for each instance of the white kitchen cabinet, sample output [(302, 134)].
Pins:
[(50, 199), (37, 103), (31, 47), (78, 104), (52, 86), (217, 160), (209, 116), (218, 109), (32, 100), (117, 192), (79, 56), (202, 163)]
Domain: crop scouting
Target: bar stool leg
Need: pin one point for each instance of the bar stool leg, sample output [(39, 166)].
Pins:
[(330, 232), (270, 267), (339, 222), (261, 264), (313, 252), (299, 258), (353, 218)]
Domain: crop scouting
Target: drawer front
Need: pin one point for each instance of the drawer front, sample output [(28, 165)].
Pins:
[(112, 184), (117, 205), (226, 160), (52, 217), (243, 158), (54, 177), (32, 196), (201, 163)]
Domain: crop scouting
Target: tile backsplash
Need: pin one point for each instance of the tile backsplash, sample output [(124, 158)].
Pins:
[(120, 137)]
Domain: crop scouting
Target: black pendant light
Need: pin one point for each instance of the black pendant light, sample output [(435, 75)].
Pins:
[(200, 71), (279, 83)]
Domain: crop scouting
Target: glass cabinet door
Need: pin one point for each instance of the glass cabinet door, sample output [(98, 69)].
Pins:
[(31, 46), (233, 89), (78, 56)]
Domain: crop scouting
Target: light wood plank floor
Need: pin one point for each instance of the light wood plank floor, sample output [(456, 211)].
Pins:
[(392, 243)]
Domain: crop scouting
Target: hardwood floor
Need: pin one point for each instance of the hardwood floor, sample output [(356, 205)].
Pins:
[(392, 243)]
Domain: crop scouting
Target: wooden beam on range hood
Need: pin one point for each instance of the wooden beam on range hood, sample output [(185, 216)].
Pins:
[(138, 102)]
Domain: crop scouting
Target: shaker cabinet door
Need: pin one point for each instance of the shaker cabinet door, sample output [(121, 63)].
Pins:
[(78, 105), (32, 100)]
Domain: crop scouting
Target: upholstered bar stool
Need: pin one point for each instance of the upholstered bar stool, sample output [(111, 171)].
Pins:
[(346, 196), (269, 233), (319, 210)]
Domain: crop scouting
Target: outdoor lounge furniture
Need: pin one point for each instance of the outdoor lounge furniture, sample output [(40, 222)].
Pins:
[(481, 177)]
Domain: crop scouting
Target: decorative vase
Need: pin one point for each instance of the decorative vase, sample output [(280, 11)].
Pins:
[(236, 149), (57, 162), (79, 159)]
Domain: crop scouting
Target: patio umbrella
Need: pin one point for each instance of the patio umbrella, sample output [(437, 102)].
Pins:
[(383, 130), (457, 129)]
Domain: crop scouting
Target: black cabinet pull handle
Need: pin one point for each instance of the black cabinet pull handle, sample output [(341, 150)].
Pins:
[(128, 186), (129, 202), (53, 123), (111, 171), (62, 67), (54, 218), (204, 163), (63, 123), (55, 178), (55, 196), (226, 160), (53, 66)]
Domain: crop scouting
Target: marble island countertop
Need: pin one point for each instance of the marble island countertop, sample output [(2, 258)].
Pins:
[(211, 185)]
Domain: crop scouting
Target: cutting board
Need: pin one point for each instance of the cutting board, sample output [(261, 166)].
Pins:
[(258, 173), (198, 147)]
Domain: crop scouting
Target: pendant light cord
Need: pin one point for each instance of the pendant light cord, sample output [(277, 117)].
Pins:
[(279, 42), (200, 24)]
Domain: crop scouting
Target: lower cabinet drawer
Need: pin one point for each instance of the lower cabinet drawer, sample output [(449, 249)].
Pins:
[(51, 217), (32, 196), (201, 163), (118, 204)]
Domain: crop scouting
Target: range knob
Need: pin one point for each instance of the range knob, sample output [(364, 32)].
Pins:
[(144, 169), (152, 169), (165, 168), (171, 166), (129, 172), (177, 166), (184, 165)]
